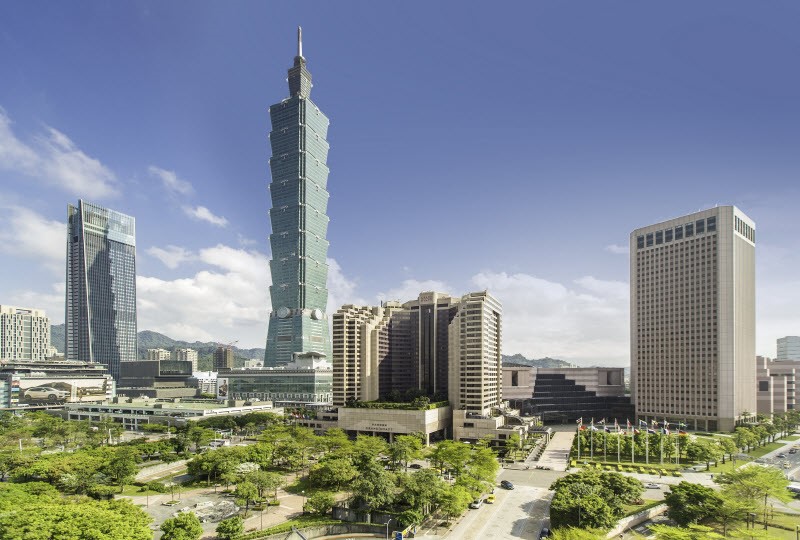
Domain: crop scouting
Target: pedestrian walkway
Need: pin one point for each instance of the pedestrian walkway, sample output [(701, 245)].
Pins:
[(556, 455)]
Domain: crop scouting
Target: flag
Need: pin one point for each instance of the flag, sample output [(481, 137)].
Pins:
[(666, 424), (579, 421), (642, 423), (602, 422), (636, 431), (628, 421), (654, 422), (681, 432), (582, 427), (665, 431), (651, 431), (607, 429), (681, 424)]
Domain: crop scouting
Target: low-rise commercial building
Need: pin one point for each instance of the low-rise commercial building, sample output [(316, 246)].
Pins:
[(156, 379), (562, 395), (777, 382)]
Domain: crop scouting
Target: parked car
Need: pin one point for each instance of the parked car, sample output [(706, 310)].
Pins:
[(793, 451), (545, 533), (506, 484), (490, 498), (651, 485), (415, 466), (45, 392), (477, 503)]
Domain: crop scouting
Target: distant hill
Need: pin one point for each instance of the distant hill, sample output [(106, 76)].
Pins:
[(545, 362), (153, 340)]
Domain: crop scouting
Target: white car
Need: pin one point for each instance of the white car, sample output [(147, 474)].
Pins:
[(652, 486), (45, 392)]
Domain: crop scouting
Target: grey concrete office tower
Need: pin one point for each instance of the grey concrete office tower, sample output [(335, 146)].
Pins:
[(298, 323), (101, 286), (693, 319)]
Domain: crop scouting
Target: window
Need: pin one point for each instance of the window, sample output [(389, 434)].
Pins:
[(649, 239), (700, 226), (689, 227), (640, 242), (678, 232), (711, 224), (763, 386), (660, 237), (668, 235)]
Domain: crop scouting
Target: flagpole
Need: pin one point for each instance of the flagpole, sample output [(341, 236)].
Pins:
[(661, 458), (591, 440), (618, 441), (646, 444), (605, 453), (579, 442)]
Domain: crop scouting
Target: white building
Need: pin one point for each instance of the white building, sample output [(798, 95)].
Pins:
[(158, 354), (788, 348), (187, 355), (24, 334), (693, 319)]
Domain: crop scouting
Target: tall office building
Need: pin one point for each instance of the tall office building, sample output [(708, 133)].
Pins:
[(101, 286), (693, 319), (298, 322), (223, 359), (788, 348), (24, 334), (443, 347), (187, 355)]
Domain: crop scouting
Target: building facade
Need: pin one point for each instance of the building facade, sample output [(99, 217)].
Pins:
[(693, 319), (298, 322), (777, 382), (158, 354), (223, 359), (293, 385), (186, 355), (157, 379), (24, 334), (788, 348), (48, 383), (101, 286)]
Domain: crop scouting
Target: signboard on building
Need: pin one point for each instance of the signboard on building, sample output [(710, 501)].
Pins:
[(222, 388), (57, 390)]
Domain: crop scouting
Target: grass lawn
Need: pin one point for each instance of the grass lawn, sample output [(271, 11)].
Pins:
[(766, 449), (726, 467), (792, 438), (653, 468)]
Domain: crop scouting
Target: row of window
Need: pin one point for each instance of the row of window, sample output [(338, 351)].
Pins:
[(678, 233)]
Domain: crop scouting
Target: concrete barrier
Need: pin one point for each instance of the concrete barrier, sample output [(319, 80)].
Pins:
[(342, 529), (636, 519)]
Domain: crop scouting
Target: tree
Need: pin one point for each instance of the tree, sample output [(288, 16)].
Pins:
[(422, 490), (589, 498), (199, 436), (185, 526), (454, 501), (332, 473), (743, 438), (231, 528), (366, 449), (692, 532), (513, 444), (246, 492), (571, 533), (727, 446), (374, 487), (731, 511), (755, 485), (405, 448), (265, 481), (320, 502), (692, 503), (122, 467), (703, 450)]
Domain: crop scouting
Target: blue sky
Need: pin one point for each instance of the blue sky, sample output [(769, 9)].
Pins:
[(507, 146)]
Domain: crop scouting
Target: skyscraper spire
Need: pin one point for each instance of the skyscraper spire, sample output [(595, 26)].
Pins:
[(300, 41), (299, 76)]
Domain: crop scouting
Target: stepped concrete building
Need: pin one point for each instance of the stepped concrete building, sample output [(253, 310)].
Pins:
[(24, 334), (101, 286), (187, 355), (693, 319), (298, 323)]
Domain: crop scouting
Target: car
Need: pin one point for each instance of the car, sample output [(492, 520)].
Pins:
[(415, 466), (545, 533), (490, 499), (781, 455), (477, 503), (787, 466), (651, 485), (45, 392), (793, 451), (505, 484)]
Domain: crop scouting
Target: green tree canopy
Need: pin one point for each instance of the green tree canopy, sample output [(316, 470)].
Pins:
[(692, 503), (231, 528), (185, 526)]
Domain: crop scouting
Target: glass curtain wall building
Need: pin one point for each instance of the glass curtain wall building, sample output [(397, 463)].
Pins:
[(101, 286), (298, 322)]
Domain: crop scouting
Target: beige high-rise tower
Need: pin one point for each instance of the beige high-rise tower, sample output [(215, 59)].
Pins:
[(693, 319)]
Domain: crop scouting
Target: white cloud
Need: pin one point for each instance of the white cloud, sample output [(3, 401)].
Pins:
[(171, 256), (51, 302), (56, 160), (617, 249), (171, 181), (587, 323), (27, 234), (410, 289), (201, 213), (226, 301), (229, 300)]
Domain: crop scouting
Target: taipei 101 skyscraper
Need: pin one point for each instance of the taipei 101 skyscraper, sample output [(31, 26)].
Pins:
[(298, 324)]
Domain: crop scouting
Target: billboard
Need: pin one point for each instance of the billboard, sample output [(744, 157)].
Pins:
[(222, 388), (33, 390)]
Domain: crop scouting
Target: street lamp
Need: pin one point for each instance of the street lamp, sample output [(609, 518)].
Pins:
[(304, 501), (387, 528)]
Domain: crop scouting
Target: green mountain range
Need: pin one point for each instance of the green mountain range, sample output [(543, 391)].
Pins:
[(205, 350)]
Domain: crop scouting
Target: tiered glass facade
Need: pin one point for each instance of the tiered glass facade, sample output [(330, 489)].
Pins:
[(101, 286), (298, 322)]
